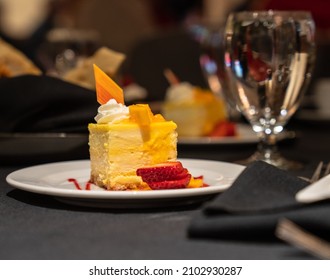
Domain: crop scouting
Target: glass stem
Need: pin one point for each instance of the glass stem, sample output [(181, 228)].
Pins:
[(267, 147)]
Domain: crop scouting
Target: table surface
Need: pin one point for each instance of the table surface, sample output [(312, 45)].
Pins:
[(34, 226)]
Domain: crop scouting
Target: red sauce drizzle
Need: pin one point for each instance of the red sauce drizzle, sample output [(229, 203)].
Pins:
[(77, 185)]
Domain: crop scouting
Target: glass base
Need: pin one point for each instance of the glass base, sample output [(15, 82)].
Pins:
[(275, 159)]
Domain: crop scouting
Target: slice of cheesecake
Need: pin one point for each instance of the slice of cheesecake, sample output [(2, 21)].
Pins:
[(125, 138), (118, 150)]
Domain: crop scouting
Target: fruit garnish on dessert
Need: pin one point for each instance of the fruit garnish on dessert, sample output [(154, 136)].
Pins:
[(197, 182), (169, 175), (142, 115), (224, 129), (171, 77), (163, 171), (125, 139), (106, 88)]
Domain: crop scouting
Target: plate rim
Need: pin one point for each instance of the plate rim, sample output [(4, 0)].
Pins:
[(42, 135), (116, 195), (237, 139), (252, 137)]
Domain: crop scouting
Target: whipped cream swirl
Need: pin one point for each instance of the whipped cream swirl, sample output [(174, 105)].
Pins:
[(180, 92), (112, 112)]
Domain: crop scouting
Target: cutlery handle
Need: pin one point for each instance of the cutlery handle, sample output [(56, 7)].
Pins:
[(298, 237)]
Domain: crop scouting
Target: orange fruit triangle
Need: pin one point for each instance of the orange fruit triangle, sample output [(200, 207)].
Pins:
[(106, 88)]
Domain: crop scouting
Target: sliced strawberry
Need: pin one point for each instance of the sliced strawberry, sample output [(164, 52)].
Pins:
[(161, 172), (171, 184), (224, 128), (182, 174)]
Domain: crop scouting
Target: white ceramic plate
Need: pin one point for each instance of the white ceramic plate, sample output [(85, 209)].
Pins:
[(36, 147), (52, 179), (245, 136)]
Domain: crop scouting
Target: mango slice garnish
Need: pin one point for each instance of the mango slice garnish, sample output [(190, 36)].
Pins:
[(158, 118), (195, 182), (106, 88), (141, 114)]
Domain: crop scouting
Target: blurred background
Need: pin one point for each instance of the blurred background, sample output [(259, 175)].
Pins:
[(153, 34)]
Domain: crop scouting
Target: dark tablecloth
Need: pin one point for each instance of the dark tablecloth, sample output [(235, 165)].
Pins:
[(34, 226)]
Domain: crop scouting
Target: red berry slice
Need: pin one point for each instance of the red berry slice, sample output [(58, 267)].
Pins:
[(182, 174), (162, 172), (171, 184), (224, 128)]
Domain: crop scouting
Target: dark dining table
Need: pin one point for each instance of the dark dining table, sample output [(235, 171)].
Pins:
[(37, 226)]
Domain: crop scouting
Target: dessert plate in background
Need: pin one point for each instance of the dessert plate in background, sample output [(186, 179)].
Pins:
[(245, 136), (40, 147), (53, 179)]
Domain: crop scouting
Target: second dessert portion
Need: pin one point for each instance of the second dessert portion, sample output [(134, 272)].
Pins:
[(196, 111)]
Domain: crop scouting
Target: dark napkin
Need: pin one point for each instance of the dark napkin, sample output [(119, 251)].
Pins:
[(251, 208), (45, 104)]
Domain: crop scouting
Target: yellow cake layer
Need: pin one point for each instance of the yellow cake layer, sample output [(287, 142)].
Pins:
[(117, 150)]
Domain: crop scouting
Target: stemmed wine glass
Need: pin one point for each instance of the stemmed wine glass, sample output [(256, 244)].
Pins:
[(269, 57), (211, 60)]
